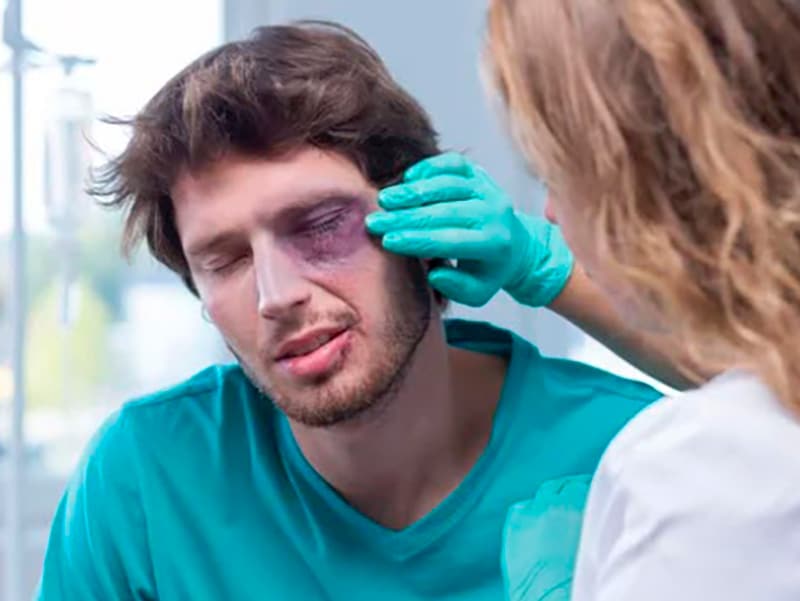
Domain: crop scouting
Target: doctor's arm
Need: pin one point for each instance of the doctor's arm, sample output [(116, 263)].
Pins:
[(585, 305)]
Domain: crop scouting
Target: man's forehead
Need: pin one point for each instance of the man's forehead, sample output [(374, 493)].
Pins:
[(297, 179)]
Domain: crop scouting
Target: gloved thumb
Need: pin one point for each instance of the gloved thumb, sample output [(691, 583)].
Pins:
[(460, 287)]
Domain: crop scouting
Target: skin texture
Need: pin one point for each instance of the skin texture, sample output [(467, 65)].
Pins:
[(392, 417)]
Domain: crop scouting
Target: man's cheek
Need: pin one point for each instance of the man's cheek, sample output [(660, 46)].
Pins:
[(233, 312)]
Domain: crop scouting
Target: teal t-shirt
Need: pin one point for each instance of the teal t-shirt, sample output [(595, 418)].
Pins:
[(201, 493)]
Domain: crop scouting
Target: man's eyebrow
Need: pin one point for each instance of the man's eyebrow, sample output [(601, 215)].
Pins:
[(321, 198), (207, 245)]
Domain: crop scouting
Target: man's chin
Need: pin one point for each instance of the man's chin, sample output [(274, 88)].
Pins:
[(344, 396), (318, 403), (325, 416)]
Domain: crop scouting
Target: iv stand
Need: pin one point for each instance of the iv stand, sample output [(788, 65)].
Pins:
[(13, 38)]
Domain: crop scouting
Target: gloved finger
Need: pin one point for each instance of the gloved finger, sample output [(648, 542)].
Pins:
[(544, 581), (426, 191), (576, 485), (447, 243), (468, 214), (447, 162), (561, 592), (461, 287), (569, 492), (481, 173)]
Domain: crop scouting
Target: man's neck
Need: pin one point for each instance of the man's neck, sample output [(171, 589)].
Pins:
[(402, 459)]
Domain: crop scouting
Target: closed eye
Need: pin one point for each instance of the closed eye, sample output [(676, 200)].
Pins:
[(324, 225), (224, 267)]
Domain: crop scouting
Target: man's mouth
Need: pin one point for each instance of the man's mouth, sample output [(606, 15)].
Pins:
[(307, 342), (314, 353)]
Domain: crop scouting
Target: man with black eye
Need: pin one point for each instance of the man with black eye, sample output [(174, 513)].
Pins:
[(363, 447)]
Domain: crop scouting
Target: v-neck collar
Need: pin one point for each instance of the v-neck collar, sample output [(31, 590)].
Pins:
[(408, 541)]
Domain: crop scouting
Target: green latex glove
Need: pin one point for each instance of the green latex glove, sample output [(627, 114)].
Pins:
[(540, 541), (449, 208)]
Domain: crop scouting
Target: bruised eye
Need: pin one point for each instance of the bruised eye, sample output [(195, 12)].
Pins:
[(324, 225), (330, 236)]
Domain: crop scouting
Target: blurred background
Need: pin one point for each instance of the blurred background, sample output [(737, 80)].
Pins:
[(82, 330)]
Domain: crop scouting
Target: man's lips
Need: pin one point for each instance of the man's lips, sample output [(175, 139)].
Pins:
[(325, 354), (307, 342)]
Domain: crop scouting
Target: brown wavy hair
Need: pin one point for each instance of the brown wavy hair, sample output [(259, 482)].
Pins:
[(676, 126), (308, 83)]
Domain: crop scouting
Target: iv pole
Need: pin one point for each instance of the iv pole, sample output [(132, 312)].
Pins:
[(13, 38), (20, 48)]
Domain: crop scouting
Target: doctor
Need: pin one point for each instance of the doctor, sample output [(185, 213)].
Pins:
[(667, 132)]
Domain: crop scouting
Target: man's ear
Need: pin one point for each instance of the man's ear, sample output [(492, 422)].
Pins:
[(429, 265)]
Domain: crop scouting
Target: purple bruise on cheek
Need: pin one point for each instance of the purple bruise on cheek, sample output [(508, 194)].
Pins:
[(341, 236)]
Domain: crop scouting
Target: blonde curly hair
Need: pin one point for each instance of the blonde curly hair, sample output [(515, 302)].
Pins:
[(678, 121)]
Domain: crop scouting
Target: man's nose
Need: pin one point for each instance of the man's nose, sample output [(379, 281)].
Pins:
[(280, 286)]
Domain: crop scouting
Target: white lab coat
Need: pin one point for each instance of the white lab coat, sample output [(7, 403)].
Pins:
[(697, 499)]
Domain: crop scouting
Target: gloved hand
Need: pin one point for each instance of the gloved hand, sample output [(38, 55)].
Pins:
[(449, 208), (540, 541)]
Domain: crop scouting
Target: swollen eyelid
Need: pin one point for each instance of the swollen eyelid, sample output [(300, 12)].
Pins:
[(332, 238), (327, 224)]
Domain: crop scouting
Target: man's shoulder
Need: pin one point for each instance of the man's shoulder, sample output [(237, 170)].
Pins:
[(566, 375), (562, 378), (574, 401), (201, 387), (210, 396)]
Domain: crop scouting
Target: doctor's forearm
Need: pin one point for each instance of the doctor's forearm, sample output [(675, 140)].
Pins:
[(585, 305)]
